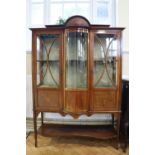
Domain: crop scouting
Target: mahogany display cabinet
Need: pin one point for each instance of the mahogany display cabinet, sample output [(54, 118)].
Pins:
[(76, 70)]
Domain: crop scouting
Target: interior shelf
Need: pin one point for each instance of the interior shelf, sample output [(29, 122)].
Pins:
[(48, 60), (95, 131), (75, 61), (46, 86)]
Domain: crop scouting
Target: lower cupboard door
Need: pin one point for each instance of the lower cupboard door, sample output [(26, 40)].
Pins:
[(103, 101), (76, 101), (49, 99)]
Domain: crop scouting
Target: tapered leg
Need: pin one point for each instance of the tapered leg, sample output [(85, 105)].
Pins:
[(118, 124), (42, 118), (113, 119), (35, 128), (118, 129)]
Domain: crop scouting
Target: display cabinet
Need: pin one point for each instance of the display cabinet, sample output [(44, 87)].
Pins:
[(76, 70)]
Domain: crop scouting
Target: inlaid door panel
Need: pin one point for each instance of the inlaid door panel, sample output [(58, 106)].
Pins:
[(76, 101), (104, 101), (49, 99), (82, 101), (70, 101)]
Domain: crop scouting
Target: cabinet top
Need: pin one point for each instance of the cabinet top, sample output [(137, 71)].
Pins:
[(79, 22)]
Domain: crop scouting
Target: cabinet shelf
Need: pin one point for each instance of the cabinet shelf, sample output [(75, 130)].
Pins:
[(46, 86), (95, 131), (76, 60), (44, 61), (101, 61), (73, 61)]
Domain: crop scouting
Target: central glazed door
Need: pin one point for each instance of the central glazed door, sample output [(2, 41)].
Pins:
[(76, 71)]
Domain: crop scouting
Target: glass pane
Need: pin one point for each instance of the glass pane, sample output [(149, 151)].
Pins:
[(56, 0), (103, 0), (77, 0), (69, 10), (37, 14), (83, 9), (76, 59), (48, 60), (55, 12), (102, 13), (105, 52), (70, 0), (37, 1)]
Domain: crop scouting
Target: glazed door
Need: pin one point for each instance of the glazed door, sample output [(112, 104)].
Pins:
[(104, 71), (76, 70), (49, 70)]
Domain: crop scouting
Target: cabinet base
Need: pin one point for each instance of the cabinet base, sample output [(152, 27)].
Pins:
[(95, 131)]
